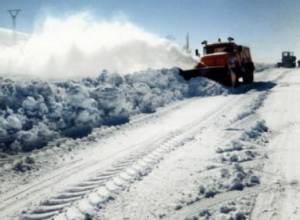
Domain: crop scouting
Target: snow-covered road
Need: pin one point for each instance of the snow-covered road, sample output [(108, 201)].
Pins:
[(281, 199), (207, 158)]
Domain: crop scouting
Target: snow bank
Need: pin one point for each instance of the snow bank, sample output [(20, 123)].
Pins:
[(34, 112), (260, 67), (79, 46)]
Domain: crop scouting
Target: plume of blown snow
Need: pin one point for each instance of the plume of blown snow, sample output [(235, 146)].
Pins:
[(78, 46)]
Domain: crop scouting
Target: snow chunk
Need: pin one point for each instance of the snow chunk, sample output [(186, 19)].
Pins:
[(13, 122)]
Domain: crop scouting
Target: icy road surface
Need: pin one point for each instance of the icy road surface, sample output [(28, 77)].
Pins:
[(202, 158)]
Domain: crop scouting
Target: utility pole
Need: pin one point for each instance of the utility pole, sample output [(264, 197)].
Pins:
[(13, 13), (187, 43)]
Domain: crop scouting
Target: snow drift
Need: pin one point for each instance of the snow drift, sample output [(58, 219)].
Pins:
[(78, 46), (34, 112)]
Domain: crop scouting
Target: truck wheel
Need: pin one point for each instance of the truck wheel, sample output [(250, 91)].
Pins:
[(248, 77), (251, 77)]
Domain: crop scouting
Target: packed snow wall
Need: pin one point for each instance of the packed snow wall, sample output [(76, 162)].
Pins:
[(35, 112)]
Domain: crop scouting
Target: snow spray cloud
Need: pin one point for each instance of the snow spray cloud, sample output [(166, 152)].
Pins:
[(78, 46)]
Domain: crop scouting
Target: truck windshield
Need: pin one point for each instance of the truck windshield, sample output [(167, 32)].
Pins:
[(287, 54), (217, 48)]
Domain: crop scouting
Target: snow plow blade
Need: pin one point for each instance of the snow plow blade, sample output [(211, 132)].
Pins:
[(219, 74)]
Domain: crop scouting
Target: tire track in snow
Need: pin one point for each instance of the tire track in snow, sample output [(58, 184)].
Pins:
[(104, 132), (107, 184), (107, 179)]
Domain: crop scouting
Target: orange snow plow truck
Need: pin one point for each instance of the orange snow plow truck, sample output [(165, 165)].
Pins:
[(223, 62)]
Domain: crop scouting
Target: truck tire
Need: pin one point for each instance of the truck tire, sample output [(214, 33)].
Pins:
[(248, 77)]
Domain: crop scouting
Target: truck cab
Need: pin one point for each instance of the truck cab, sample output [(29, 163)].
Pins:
[(288, 60)]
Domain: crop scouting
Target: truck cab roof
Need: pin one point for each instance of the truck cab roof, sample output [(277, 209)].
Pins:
[(226, 47), (219, 47), (287, 53)]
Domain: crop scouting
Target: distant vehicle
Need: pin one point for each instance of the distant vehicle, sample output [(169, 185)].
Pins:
[(223, 62), (288, 60)]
